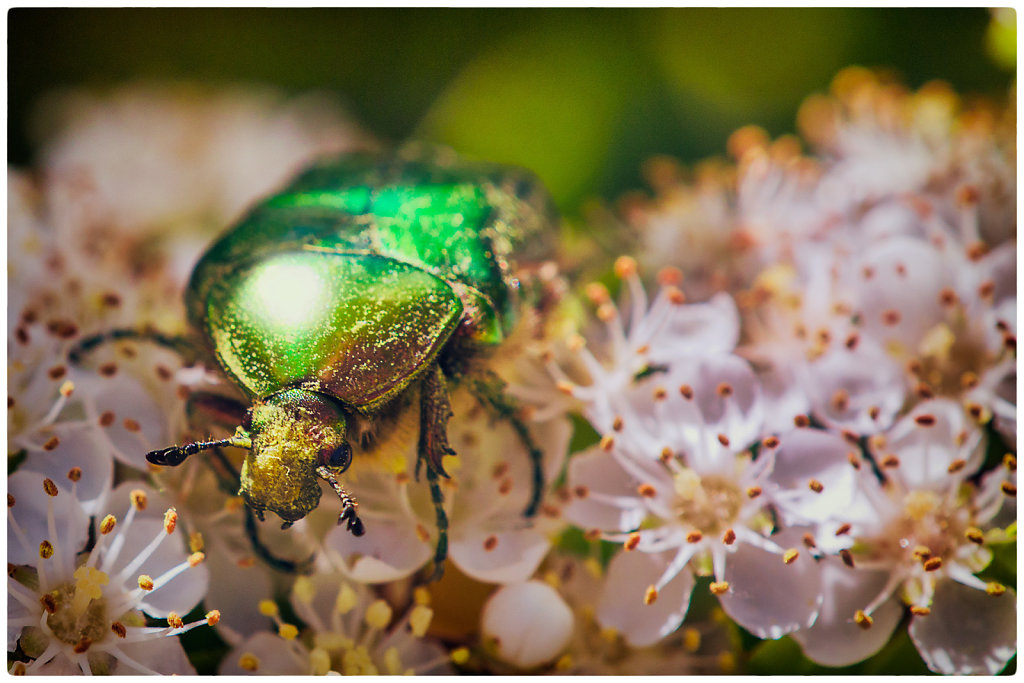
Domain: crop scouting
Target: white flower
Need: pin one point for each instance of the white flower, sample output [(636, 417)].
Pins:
[(86, 615), (346, 632), (919, 537), (671, 480)]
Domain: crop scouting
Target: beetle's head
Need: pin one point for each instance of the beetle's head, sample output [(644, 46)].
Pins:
[(296, 437)]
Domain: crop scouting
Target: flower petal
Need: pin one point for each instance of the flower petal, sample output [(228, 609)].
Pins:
[(499, 557), (968, 631), (621, 605), (391, 549), (617, 507), (810, 454)]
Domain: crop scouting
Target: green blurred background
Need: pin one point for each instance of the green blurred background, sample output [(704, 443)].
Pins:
[(582, 96)]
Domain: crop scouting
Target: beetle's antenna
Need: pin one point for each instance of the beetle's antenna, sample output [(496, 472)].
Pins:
[(349, 506), (175, 455)]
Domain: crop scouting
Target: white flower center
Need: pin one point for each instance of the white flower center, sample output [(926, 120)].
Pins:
[(710, 504)]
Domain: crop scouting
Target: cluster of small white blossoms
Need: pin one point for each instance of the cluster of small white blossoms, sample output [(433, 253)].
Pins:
[(825, 448)]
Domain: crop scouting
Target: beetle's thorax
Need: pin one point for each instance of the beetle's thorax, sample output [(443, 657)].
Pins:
[(291, 432)]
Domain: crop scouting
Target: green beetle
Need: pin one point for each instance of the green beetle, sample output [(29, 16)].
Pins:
[(364, 278)]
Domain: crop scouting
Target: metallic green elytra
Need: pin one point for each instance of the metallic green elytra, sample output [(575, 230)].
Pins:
[(354, 284)]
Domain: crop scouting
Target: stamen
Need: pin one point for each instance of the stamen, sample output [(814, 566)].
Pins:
[(694, 537), (49, 487), (686, 391), (790, 556), (288, 631), (863, 619), (926, 420), (933, 564), (956, 466), (647, 490), (212, 617), (45, 550), (632, 542), (920, 611), (1009, 489), (119, 629), (419, 620), (890, 461), (248, 662), (48, 602), (844, 529), (1010, 462), (107, 418), (771, 442), (809, 541), (802, 421), (651, 595), (145, 582), (995, 589), (607, 442), (174, 621), (139, 499), (170, 520), (723, 439), (816, 486), (847, 557), (490, 543), (378, 614), (753, 492), (719, 587), (729, 537)]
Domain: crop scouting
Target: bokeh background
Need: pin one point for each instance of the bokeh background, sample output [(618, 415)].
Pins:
[(581, 96)]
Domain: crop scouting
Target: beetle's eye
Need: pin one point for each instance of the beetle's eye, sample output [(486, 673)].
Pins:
[(340, 457)]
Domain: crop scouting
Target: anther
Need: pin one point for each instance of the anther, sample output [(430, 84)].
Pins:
[(597, 293), (675, 295), (196, 559), (932, 564), (625, 266), (212, 617), (174, 621), (145, 582), (107, 524), (847, 557), (606, 313), (51, 443), (889, 461), (987, 289), (995, 589), (840, 400), (56, 372), (632, 541), (195, 542), (956, 465), (852, 340), (1009, 489), (48, 602), (975, 410), (660, 394), (617, 424), (863, 619), (581, 491), (505, 486), (248, 662), (947, 297), (874, 412), (850, 436), (83, 644), (131, 425), (107, 418), (64, 329), (10, 500), (789, 557), (924, 391), (974, 535), (926, 420), (724, 390), (729, 537), (1010, 462), (592, 535), (770, 442), (18, 669), (288, 631), (647, 490), (919, 611), (718, 587), (666, 455), (801, 421), (108, 369), (163, 373), (844, 529), (890, 317), (670, 275), (49, 487), (686, 391), (816, 486), (490, 543), (723, 439), (564, 387), (119, 629), (607, 441), (853, 460), (694, 537), (650, 595), (753, 492), (809, 541), (139, 499), (170, 520)]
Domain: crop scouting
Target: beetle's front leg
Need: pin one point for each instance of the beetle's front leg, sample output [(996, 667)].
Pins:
[(435, 410)]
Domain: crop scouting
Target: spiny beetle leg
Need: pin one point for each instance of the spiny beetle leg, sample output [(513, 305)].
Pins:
[(349, 506), (435, 410)]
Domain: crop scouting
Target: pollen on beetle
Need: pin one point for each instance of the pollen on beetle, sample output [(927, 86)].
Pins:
[(719, 587), (789, 557), (651, 595), (863, 619), (288, 631), (49, 487), (170, 520), (145, 582), (45, 550), (139, 499)]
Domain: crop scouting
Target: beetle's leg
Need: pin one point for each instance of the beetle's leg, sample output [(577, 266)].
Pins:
[(435, 409), (441, 549), (183, 346), (490, 392), (349, 506)]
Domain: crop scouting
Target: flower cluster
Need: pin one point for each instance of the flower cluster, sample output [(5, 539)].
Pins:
[(804, 428)]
